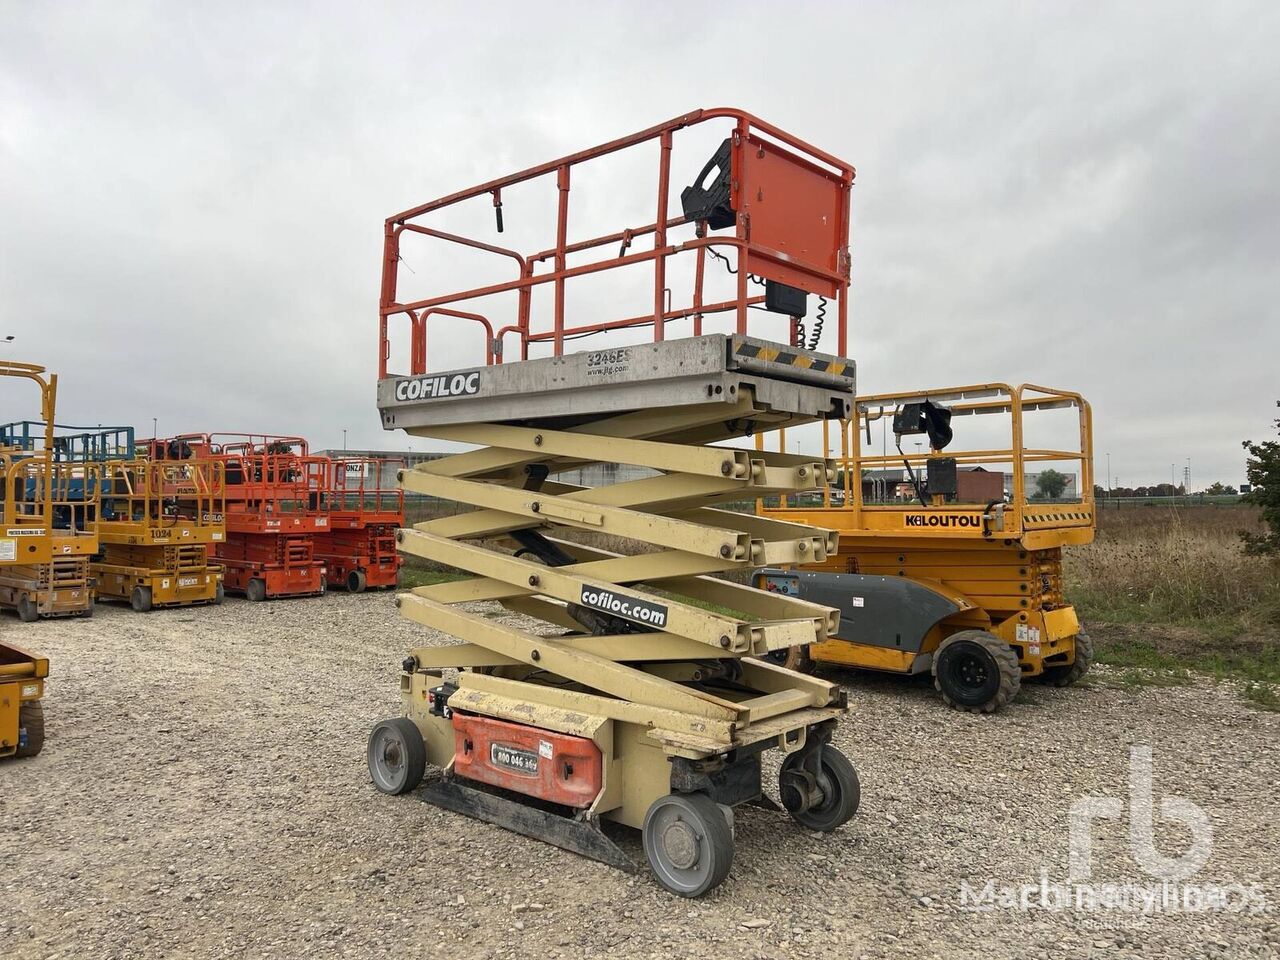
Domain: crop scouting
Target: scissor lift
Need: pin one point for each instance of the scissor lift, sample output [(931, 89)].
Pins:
[(160, 516), (639, 696), (275, 505), (48, 477), (26, 538), (359, 550), (946, 567)]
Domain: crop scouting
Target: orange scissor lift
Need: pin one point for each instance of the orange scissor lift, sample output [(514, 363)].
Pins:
[(276, 504), (359, 550)]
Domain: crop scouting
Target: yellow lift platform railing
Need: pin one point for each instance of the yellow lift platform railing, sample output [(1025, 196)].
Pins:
[(158, 522), (948, 563)]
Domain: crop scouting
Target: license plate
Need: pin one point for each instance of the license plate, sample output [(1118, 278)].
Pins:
[(514, 759)]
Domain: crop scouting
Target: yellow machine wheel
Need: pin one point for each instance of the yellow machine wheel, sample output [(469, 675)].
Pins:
[(31, 723), (976, 671), (1064, 676)]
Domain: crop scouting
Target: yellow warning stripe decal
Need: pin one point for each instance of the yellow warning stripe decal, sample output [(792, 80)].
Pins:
[(781, 355)]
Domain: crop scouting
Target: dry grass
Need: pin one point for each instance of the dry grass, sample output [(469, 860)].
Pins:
[(1165, 589), (1175, 565)]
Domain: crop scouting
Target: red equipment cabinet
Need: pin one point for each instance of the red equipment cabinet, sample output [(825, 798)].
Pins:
[(531, 760), (275, 506), (359, 550)]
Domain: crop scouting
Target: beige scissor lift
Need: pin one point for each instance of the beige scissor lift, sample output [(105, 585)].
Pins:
[(628, 689)]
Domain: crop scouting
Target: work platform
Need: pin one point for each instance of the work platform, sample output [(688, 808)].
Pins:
[(630, 688), (717, 370)]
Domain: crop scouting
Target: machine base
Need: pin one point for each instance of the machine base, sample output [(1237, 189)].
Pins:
[(578, 836)]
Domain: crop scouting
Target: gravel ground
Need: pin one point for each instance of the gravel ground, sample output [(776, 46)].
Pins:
[(204, 794)]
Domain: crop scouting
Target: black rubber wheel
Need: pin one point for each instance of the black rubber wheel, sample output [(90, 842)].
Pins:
[(28, 612), (256, 590), (140, 599), (838, 783), (1067, 674), (31, 722), (976, 671), (688, 842), (397, 756), (356, 581), (793, 658), (219, 594)]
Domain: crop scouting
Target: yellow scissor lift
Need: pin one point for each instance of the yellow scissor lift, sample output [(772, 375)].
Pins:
[(630, 691), (948, 564), (26, 538), (53, 505), (158, 519)]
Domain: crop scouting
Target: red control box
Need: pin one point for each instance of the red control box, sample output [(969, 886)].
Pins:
[(540, 763)]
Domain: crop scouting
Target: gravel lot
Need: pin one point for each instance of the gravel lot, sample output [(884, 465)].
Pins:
[(204, 794)]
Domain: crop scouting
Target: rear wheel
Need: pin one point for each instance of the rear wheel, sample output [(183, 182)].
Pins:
[(688, 842), (28, 612), (976, 671), (218, 594), (256, 590), (1063, 676), (30, 729), (793, 658), (356, 581), (88, 611), (140, 599), (833, 795), (397, 756)]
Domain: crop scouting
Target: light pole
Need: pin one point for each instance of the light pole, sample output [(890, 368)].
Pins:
[(344, 441), (155, 433), (1109, 475)]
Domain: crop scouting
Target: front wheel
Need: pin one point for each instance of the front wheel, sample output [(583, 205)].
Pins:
[(833, 795), (688, 842), (356, 581), (976, 671), (28, 612), (30, 729), (397, 756), (793, 658), (1064, 676), (140, 599), (256, 590), (219, 594)]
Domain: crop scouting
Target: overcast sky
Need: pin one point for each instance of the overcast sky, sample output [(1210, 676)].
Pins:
[(192, 198)]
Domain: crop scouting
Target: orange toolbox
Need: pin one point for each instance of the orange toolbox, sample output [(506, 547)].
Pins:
[(531, 760)]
